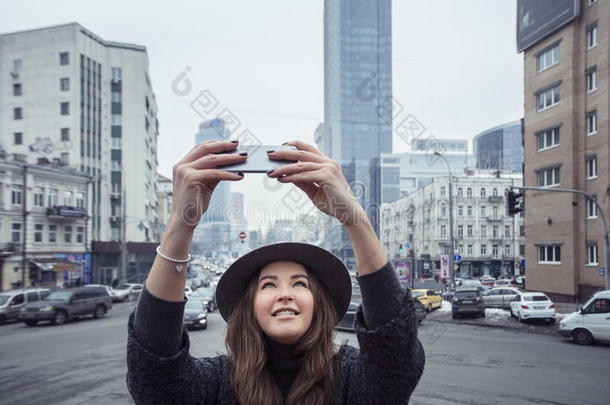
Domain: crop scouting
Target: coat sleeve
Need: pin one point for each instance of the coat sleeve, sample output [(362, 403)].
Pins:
[(391, 359), (161, 370)]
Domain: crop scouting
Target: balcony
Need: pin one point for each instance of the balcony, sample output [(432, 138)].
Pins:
[(65, 212), (495, 199), (10, 247), (492, 218)]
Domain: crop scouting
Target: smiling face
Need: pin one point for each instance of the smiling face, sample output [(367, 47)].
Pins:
[(283, 302)]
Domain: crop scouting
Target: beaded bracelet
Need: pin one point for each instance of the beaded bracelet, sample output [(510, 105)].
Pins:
[(179, 267)]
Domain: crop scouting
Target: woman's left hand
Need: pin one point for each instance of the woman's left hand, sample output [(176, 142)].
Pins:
[(321, 179)]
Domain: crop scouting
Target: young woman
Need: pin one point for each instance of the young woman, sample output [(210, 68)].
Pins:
[(281, 303)]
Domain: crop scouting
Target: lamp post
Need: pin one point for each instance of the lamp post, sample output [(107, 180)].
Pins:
[(451, 254)]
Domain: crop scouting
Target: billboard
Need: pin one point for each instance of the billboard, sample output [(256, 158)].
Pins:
[(444, 145), (537, 19), (403, 270)]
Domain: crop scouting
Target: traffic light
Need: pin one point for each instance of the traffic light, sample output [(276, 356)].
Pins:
[(514, 202), (400, 248)]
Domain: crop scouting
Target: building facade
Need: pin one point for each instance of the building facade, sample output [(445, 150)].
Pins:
[(45, 232), (566, 145), (165, 191), (68, 94), (357, 87), (416, 227), (500, 148)]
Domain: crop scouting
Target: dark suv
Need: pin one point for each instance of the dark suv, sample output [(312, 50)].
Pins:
[(468, 300), (65, 304)]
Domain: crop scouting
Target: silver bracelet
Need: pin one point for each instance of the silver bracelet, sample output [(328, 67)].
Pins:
[(179, 267)]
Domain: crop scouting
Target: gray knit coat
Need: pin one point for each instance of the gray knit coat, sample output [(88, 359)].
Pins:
[(385, 370)]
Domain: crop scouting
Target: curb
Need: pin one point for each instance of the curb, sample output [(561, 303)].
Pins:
[(550, 332)]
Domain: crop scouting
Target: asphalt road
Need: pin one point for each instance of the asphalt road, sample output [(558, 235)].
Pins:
[(83, 362)]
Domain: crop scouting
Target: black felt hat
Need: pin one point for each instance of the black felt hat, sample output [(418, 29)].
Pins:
[(328, 269)]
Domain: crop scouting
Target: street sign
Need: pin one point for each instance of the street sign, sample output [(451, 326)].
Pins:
[(242, 235), (407, 245), (602, 271), (457, 258)]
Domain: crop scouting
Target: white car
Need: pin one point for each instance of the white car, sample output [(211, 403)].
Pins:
[(124, 292), (532, 305), (188, 291), (591, 323)]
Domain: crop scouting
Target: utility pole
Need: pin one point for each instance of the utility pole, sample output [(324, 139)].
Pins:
[(451, 253), (599, 209), (123, 272), (24, 264)]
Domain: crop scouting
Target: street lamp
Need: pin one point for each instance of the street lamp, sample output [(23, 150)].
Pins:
[(451, 274)]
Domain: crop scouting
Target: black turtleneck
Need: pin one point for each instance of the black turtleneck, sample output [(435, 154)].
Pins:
[(283, 366)]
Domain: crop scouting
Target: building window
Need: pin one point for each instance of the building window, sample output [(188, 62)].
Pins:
[(495, 192), (494, 251), (116, 165), (68, 198), (469, 192), (16, 194), (80, 232), (442, 190), (494, 232), (592, 258), (38, 229), (52, 197), (507, 250), (469, 231), (64, 58), (460, 192), (116, 74), (469, 210), (52, 233), (461, 249), (592, 37), (65, 134), (589, 2), (521, 230), (443, 210), (548, 58), (548, 139), (548, 177), (592, 80), (115, 119), (483, 193), (17, 113), (483, 211), (460, 210), (483, 231), (443, 231), (549, 254), (591, 208), (38, 196), (18, 138), (65, 108), (548, 98), (592, 123), (591, 167), (495, 213), (507, 231), (64, 84), (469, 250), (460, 231), (68, 233), (17, 89), (483, 249), (16, 233), (80, 200)]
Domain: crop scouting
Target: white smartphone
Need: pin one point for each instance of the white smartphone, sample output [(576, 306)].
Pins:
[(257, 161)]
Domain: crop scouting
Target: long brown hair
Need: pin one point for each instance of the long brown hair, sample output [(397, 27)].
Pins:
[(249, 374)]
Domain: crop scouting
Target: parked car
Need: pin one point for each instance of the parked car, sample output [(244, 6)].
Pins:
[(107, 287), (188, 291), (347, 322), (501, 297), (467, 300), (591, 323), (448, 295), (532, 305), (207, 297), (63, 305), (430, 299), (195, 314), (124, 292), (420, 310), (11, 302), (502, 283), (488, 281)]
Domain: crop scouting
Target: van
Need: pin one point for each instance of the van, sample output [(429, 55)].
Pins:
[(591, 323), (11, 302)]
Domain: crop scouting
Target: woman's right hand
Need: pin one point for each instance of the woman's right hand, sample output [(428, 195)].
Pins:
[(195, 178)]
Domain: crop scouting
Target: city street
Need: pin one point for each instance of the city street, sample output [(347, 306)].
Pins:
[(83, 362)]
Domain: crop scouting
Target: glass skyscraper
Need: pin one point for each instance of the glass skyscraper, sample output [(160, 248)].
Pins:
[(500, 148), (357, 92)]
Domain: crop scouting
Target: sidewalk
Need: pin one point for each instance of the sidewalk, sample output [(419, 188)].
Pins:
[(499, 318)]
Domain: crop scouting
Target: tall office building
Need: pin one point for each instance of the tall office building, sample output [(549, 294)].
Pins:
[(566, 58), (500, 148), (69, 95), (357, 87), (215, 130)]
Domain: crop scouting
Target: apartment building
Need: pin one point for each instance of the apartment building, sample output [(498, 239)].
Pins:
[(566, 58)]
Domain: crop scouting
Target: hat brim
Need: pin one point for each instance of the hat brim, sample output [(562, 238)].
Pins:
[(327, 268)]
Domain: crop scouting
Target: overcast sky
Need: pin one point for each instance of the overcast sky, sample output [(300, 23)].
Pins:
[(455, 64)]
